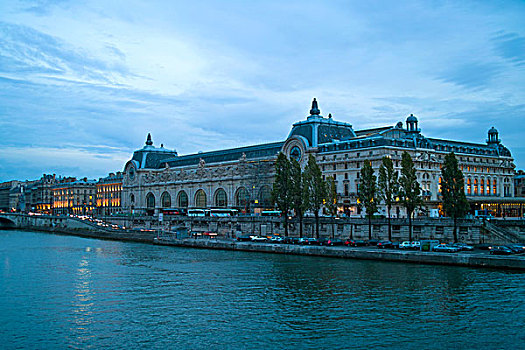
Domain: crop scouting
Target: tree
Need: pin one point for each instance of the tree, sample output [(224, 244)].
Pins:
[(331, 200), (388, 187), (282, 188), (315, 188), (455, 201), (367, 193), (299, 195), (409, 189)]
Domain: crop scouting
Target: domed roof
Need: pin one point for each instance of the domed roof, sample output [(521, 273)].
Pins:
[(493, 130), (411, 118)]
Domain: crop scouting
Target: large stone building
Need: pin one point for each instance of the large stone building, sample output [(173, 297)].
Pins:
[(158, 179), (109, 190), (72, 196), (39, 196)]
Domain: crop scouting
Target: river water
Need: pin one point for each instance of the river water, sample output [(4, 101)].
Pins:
[(64, 291)]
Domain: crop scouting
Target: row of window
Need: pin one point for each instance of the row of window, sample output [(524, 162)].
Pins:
[(220, 198)]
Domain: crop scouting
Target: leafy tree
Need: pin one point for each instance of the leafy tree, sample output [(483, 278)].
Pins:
[(388, 187), (367, 193), (299, 194), (331, 201), (315, 187), (453, 191), (409, 189), (282, 188)]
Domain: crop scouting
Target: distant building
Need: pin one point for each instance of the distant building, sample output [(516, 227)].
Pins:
[(39, 196), (109, 191), (519, 184), (5, 192), (72, 196), (158, 179)]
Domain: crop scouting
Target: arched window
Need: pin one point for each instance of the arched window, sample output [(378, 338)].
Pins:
[(182, 199), (200, 199), (469, 186), (494, 187), (242, 197), (165, 199), (475, 186), (221, 200), (150, 201), (265, 197), (482, 187)]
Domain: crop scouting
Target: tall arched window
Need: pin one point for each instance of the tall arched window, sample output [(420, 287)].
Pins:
[(200, 199), (469, 186), (482, 187), (182, 199), (494, 187), (221, 200), (265, 196), (165, 199), (150, 201), (475, 186), (242, 197)]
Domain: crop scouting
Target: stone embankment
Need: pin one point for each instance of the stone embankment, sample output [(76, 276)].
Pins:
[(84, 228), (478, 259)]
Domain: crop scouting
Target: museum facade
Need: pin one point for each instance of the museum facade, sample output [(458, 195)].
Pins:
[(158, 180)]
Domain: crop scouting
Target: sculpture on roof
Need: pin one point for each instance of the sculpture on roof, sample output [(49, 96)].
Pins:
[(315, 109)]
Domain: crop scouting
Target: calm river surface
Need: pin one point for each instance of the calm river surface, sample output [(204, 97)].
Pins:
[(65, 291)]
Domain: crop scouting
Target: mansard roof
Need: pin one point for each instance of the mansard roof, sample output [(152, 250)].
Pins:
[(250, 152)]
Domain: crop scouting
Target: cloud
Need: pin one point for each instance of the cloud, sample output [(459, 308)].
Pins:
[(78, 75), (510, 46)]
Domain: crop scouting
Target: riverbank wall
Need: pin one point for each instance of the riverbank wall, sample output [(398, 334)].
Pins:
[(83, 228)]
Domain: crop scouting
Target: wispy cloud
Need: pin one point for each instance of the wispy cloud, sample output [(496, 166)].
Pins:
[(85, 81)]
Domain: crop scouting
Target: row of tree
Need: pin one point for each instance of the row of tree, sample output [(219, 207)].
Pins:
[(299, 190), (302, 190)]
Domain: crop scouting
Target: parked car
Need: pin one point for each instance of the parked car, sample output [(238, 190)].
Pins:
[(372, 242), (463, 246), (355, 243), (334, 241), (313, 241), (308, 241), (244, 238), (384, 244), (483, 246), (277, 239), (258, 239), (405, 245), (500, 250), (415, 245), (291, 240), (445, 248), (323, 241), (518, 248), (395, 245)]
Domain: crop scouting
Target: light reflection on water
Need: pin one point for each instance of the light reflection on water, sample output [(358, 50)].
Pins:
[(60, 291)]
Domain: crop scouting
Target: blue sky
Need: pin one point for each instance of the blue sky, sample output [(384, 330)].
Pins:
[(83, 82)]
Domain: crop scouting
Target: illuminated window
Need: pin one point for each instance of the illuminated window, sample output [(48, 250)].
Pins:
[(242, 197), (165, 200), (200, 199), (469, 187), (220, 198)]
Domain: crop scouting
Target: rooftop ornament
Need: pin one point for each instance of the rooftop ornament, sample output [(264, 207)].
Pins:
[(315, 109)]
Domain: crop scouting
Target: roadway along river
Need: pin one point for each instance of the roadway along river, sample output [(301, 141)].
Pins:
[(65, 291)]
